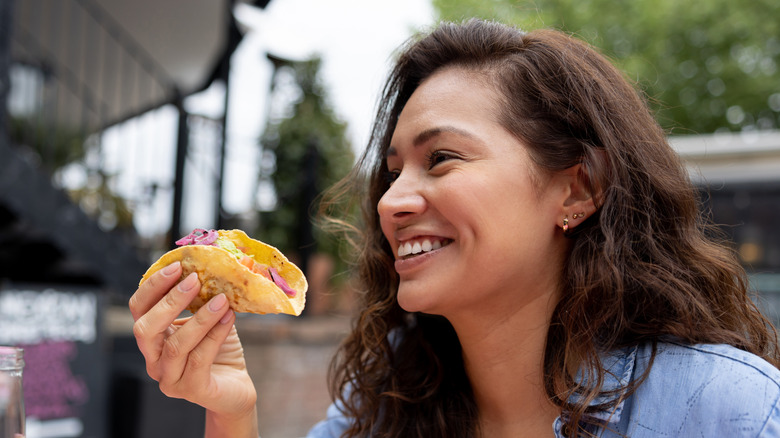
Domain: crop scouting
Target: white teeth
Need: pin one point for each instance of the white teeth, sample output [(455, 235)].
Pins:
[(409, 248), (404, 249)]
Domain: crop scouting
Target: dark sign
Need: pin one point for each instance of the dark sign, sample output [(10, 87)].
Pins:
[(65, 374)]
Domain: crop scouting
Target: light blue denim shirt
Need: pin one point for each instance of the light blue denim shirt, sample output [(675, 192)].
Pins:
[(691, 391)]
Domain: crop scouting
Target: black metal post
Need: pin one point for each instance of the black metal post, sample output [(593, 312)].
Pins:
[(6, 24), (234, 38), (182, 144), (306, 243)]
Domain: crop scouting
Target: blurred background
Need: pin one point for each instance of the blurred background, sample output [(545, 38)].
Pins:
[(126, 124)]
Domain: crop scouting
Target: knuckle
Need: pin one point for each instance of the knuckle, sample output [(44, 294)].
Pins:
[(133, 302), (139, 329), (171, 347), (153, 282), (170, 301), (204, 320), (213, 336), (197, 360), (158, 281)]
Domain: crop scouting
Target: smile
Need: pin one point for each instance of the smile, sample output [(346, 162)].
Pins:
[(411, 248)]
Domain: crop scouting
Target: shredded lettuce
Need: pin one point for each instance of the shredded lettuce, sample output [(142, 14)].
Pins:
[(229, 246)]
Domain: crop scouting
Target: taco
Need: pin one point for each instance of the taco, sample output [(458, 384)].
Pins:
[(255, 277)]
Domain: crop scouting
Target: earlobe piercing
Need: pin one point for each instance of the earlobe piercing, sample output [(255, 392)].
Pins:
[(578, 215)]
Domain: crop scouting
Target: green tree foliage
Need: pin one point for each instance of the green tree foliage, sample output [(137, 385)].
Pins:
[(309, 143), (706, 66)]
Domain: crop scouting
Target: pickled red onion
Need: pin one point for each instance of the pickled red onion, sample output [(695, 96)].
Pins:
[(279, 281), (199, 236)]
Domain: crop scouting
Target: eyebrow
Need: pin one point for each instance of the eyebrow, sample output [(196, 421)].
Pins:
[(428, 134)]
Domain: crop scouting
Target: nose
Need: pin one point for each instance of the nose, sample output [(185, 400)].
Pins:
[(404, 198)]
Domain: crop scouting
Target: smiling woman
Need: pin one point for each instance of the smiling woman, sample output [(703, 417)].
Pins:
[(531, 259), (575, 281), (456, 174)]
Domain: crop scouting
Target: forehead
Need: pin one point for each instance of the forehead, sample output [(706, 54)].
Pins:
[(451, 101), (457, 83)]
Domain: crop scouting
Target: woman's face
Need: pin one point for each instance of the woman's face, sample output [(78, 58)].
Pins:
[(472, 221)]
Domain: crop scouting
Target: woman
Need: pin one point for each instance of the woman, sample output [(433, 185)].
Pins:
[(532, 262)]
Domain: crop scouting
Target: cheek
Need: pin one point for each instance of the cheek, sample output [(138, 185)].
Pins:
[(490, 205), (387, 229), (508, 219)]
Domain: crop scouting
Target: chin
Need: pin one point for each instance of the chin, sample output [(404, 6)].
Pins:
[(412, 300)]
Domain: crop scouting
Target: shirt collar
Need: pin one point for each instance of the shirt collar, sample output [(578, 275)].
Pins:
[(619, 365)]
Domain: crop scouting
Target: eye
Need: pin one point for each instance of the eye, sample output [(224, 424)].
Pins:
[(437, 157)]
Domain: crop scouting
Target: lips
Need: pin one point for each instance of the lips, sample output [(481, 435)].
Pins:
[(414, 247)]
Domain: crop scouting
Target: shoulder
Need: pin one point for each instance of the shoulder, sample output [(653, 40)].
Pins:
[(710, 362), (331, 427), (709, 389)]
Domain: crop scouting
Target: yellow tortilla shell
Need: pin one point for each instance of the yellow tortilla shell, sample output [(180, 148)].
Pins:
[(220, 272)]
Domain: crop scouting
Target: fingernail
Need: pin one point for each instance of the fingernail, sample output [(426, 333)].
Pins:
[(189, 282), (217, 303), (170, 269), (225, 319)]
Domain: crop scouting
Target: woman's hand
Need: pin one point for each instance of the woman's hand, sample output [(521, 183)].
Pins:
[(199, 358)]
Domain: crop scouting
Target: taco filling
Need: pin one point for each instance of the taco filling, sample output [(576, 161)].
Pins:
[(200, 236)]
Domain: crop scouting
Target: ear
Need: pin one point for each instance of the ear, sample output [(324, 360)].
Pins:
[(580, 202)]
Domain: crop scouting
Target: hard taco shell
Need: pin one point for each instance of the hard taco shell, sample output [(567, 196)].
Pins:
[(219, 271)]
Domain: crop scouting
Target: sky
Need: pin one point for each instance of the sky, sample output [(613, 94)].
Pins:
[(356, 40)]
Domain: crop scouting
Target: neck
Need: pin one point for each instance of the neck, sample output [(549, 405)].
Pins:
[(504, 359)]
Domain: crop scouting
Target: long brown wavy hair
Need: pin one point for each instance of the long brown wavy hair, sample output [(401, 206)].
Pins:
[(644, 268)]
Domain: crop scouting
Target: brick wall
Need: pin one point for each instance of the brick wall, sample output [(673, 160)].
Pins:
[(288, 360)]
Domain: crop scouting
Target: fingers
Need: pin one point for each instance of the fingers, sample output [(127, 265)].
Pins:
[(159, 318), (153, 327), (191, 350), (180, 353), (187, 368), (151, 290)]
